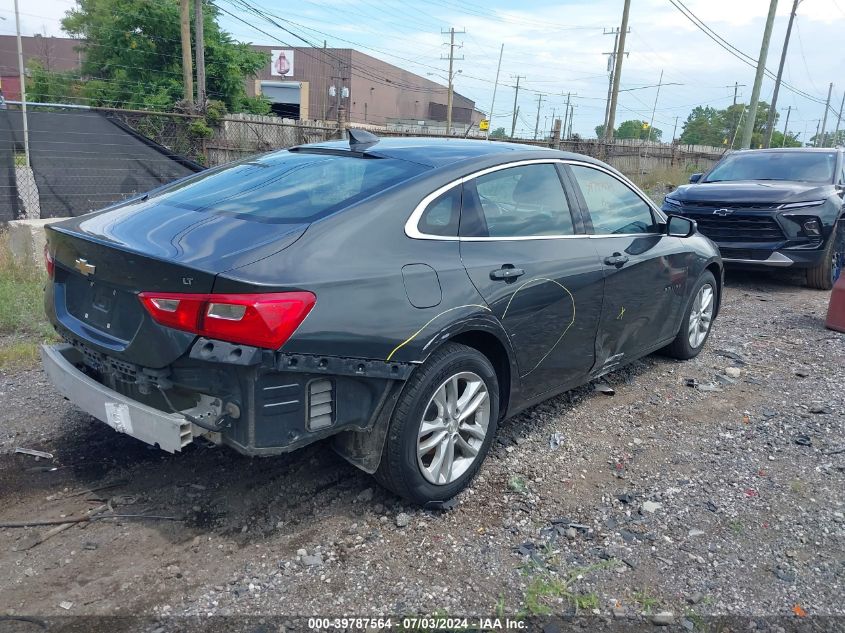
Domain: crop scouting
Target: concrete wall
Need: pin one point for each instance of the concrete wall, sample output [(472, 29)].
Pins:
[(27, 240)]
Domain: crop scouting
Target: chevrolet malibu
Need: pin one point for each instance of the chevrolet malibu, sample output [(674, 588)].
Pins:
[(400, 296)]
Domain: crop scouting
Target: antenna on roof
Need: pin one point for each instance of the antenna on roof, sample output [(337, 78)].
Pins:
[(359, 140)]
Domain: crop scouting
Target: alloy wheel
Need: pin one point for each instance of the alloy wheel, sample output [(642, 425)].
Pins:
[(701, 316), (453, 428)]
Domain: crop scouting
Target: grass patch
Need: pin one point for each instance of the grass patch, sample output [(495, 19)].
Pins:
[(23, 324), (647, 602), (546, 591)]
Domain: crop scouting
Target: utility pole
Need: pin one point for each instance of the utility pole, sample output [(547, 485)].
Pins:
[(611, 61), (654, 108), (187, 65), (770, 124), (495, 87), (199, 53), (537, 122), (515, 107), (816, 142), (23, 87), (566, 114), (617, 72), (839, 119), (758, 77), (450, 98), (674, 129), (786, 126), (736, 88), (571, 116), (826, 108)]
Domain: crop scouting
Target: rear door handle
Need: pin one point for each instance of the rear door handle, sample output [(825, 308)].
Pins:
[(617, 259), (506, 273)]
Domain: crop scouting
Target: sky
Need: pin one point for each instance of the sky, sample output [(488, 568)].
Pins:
[(557, 47)]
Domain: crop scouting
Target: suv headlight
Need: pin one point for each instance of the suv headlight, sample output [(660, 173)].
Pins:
[(672, 202), (801, 205)]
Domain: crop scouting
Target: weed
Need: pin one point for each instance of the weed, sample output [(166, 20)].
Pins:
[(545, 589), (517, 484), (736, 527), (647, 601)]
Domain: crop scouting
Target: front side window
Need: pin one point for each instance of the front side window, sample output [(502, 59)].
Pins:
[(614, 207), (520, 201)]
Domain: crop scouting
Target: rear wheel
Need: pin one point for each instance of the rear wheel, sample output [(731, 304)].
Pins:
[(442, 426), (695, 327), (823, 276)]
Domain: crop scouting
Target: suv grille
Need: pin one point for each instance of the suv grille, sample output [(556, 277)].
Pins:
[(706, 205), (738, 227)]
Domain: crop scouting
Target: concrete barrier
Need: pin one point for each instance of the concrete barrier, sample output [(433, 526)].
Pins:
[(27, 239)]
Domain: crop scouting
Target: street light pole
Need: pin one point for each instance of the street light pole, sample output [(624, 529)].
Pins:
[(23, 85)]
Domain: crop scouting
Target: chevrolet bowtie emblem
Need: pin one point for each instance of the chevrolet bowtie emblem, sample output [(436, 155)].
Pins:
[(84, 267), (723, 212)]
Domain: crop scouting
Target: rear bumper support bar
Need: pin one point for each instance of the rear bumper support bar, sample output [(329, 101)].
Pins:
[(169, 431)]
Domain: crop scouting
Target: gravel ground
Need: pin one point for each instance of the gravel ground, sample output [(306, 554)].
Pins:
[(713, 487)]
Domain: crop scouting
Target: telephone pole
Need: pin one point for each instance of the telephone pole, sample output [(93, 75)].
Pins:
[(537, 122), (611, 61), (654, 108), (674, 129), (786, 126), (450, 98), (826, 108), (736, 88), (495, 87), (571, 116), (770, 124), (617, 72), (515, 98), (839, 118), (187, 65), (199, 53), (758, 78)]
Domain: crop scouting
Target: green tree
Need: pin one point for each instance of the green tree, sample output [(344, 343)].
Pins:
[(132, 57), (632, 129), (827, 140), (709, 126), (791, 139), (637, 129), (499, 132)]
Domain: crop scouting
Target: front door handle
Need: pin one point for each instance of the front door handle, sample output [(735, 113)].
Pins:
[(506, 273), (617, 259)]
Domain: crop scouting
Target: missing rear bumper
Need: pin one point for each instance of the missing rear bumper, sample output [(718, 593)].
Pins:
[(169, 431)]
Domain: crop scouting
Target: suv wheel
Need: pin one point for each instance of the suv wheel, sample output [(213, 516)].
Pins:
[(698, 318), (823, 276), (442, 426)]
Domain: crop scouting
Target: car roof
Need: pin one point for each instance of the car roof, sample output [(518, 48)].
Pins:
[(438, 152), (791, 150)]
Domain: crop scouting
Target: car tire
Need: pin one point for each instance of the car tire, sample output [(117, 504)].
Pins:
[(405, 468), (822, 277), (684, 347)]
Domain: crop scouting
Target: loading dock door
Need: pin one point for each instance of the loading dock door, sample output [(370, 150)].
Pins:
[(285, 97)]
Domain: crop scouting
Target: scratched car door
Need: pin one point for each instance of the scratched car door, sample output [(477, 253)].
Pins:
[(523, 246), (645, 269)]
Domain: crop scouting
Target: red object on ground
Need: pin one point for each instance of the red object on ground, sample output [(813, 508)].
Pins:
[(836, 309)]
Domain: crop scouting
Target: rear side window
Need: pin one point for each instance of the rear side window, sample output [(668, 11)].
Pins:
[(614, 207), (520, 202), (287, 187), (442, 215)]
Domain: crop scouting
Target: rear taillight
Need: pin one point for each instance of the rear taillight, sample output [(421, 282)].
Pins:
[(261, 320), (49, 264)]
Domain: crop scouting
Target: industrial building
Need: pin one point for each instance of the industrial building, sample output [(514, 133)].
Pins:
[(301, 83)]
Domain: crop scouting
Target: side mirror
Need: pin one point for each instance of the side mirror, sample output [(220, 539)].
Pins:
[(694, 178), (679, 226)]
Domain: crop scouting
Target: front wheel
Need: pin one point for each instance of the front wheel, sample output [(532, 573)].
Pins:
[(442, 426), (698, 319), (829, 269)]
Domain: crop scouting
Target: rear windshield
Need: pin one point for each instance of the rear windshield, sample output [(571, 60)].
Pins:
[(287, 187), (801, 166)]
